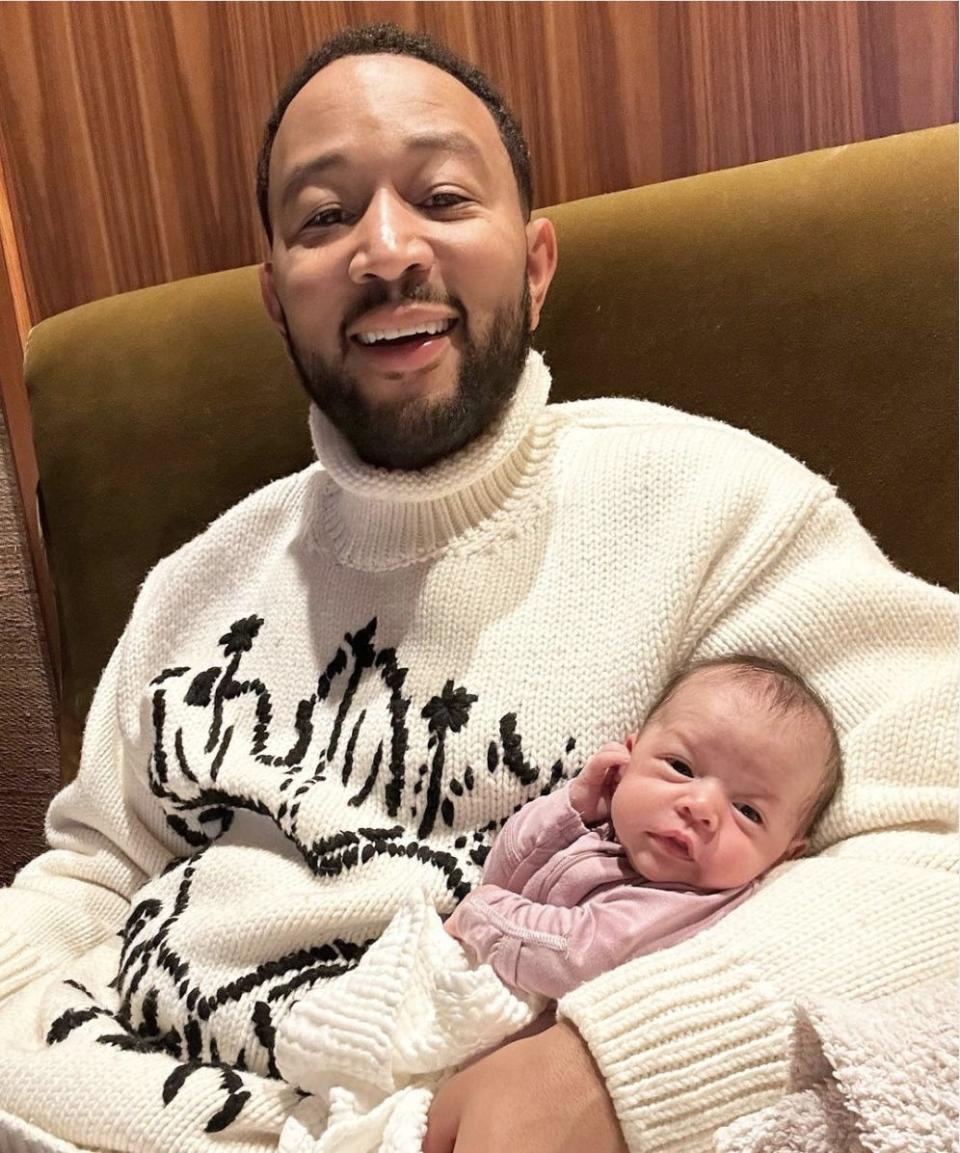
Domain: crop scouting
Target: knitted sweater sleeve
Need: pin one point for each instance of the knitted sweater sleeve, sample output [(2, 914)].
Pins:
[(76, 896), (692, 1037), (59, 947)]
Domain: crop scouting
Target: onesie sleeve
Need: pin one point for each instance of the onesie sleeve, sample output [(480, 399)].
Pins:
[(550, 949), (530, 838)]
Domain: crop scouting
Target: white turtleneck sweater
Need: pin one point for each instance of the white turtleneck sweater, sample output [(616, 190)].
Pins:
[(342, 689)]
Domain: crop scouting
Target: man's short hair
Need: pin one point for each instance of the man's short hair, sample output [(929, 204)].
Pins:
[(378, 39), (786, 694)]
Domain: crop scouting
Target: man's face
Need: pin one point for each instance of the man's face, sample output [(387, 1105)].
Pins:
[(402, 272), (716, 789)]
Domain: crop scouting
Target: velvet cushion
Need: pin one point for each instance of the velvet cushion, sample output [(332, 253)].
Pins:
[(810, 299)]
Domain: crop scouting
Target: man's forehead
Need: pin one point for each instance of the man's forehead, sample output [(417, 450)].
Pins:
[(388, 92)]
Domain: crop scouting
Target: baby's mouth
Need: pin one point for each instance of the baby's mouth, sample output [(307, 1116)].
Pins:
[(675, 845)]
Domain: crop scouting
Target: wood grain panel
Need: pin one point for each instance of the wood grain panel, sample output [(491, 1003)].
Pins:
[(132, 129), (14, 327)]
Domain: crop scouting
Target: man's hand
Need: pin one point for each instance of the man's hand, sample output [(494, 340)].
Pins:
[(591, 790), (541, 1094)]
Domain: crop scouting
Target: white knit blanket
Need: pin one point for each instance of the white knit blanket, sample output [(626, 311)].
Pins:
[(870, 1078), (371, 1046)]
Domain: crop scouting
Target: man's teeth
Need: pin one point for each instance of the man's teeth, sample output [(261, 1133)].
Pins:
[(433, 328)]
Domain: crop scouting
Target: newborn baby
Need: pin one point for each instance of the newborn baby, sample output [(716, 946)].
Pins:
[(657, 836)]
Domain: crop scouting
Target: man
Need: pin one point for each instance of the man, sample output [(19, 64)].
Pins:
[(345, 686)]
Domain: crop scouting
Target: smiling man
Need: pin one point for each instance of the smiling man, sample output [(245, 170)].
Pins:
[(405, 274), (344, 687)]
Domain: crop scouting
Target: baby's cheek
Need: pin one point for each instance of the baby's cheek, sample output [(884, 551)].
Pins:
[(753, 861)]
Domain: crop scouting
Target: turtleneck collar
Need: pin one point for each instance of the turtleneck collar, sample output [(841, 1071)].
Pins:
[(376, 518)]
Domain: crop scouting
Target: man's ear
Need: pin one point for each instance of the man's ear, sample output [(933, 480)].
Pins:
[(271, 301), (541, 264)]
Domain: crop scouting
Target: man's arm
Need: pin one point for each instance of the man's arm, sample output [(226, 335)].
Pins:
[(875, 912), (541, 1094), (71, 1065), (77, 895), (689, 1038)]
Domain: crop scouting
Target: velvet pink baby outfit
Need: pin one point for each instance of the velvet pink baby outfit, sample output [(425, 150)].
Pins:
[(564, 904)]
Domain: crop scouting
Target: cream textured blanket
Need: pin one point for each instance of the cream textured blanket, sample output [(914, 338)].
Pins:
[(372, 1045), (878, 1077)]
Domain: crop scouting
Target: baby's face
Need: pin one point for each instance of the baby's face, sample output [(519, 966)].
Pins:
[(717, 786)]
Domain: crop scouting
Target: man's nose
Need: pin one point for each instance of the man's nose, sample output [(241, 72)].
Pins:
[(390, 241)]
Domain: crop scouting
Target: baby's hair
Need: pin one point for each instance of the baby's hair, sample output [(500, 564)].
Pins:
[(786, 694)]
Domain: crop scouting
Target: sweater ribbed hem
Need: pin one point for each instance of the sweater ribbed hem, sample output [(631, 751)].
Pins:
[(692, 1065)]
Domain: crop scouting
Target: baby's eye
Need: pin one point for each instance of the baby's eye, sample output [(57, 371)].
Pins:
[(680, 767), (749, 812)]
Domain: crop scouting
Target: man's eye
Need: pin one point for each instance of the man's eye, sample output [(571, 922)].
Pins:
[(325, 218), (444, 200), (749, 812), (680, 767)]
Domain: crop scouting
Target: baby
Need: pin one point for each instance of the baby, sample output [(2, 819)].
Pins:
[(659, 836)]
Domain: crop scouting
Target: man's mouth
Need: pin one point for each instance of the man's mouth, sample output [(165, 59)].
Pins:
[(409, 334), (402, 348)]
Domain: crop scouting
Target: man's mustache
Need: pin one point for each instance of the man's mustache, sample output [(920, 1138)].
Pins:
[(378, 294)]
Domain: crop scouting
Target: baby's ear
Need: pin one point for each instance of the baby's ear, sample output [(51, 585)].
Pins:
[(630, 741), (797, 847)]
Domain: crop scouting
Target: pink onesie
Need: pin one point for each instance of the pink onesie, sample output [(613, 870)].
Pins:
[(567, 905)]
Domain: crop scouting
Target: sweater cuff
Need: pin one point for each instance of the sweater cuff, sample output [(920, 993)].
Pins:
[(686, 1039)]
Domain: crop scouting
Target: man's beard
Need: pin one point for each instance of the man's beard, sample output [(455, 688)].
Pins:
[(414, 433)]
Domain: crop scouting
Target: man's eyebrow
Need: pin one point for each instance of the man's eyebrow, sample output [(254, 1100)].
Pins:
[(453, 141), (458, 143), (308, 170)]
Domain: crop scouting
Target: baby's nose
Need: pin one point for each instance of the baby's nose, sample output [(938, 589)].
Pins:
[(701, 806)]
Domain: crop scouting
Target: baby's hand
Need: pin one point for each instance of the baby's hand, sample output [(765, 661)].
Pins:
[(449, 923), (590, 792)]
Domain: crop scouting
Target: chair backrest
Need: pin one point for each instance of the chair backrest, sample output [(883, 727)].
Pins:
[(810, 299)]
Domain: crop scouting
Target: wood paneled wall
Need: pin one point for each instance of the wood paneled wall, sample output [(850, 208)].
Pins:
[(129, 131)]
